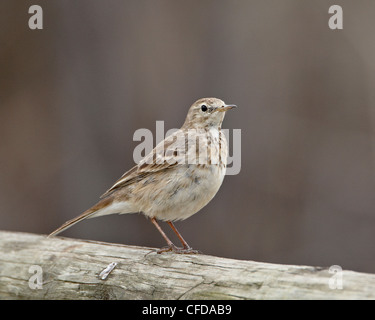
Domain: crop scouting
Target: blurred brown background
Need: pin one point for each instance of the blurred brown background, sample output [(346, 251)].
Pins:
[(72, 95)]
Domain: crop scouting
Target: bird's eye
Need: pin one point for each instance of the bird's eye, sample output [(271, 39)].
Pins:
[(204, 108)]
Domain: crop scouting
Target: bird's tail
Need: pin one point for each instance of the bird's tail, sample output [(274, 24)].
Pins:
[(89, 213)]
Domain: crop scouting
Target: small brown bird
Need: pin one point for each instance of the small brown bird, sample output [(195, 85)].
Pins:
[(176, 179)]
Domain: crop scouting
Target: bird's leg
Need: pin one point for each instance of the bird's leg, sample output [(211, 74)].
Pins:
[(186, 248), (184, 243), (171, 246)]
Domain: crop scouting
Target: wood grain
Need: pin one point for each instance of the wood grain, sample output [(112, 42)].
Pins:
[(71, 268)]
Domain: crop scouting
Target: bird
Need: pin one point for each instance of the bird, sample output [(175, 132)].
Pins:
[(176, 179)]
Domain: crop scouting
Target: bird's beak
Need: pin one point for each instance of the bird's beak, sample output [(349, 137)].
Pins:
[(226, 107)]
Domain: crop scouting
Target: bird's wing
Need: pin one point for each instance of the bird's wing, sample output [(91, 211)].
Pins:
[(166, 155), (178, 148)]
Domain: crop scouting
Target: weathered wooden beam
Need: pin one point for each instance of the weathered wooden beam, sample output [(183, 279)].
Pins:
[(36, 267)]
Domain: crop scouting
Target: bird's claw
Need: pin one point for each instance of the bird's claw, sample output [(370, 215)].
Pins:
[(178, 250)]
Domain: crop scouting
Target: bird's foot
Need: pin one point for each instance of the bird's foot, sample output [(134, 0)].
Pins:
[(178, 250)]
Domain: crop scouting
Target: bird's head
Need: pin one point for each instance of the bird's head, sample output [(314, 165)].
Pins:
[(207, 113)]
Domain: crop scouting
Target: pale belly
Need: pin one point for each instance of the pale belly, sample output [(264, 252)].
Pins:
[(189, 189)]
